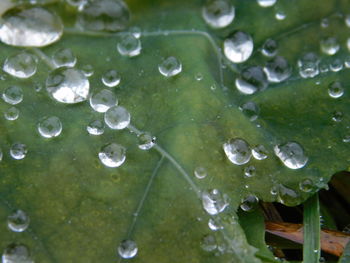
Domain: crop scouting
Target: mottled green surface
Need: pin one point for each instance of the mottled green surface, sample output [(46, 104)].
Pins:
[(81, 210)]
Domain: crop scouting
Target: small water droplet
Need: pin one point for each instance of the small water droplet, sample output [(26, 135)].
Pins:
[(238, 47), (346, 138), (18, 151), (250, 109), (16, 253), (329, 45), (347, 20), (214, 226), (306, 185), (250, 171), (129, 45), (280, 15), (266, 3), (18, 221), (198, 76), (127, 249), (112, 155), (170, 66), (277, 69), (291, 154), (259, 152), (117, 118), (237, 151), (269, 48), (95, 127), (249, 203), (13, 95), (325, 23), (49, 127), (64, 57), (146, 141), (336, 65), (111, 78), (335, 90), (200, 172), (21, 65), (337, 116), (308, 65), (287, 195), (88, 70), (11, 114), (103, 100), (214, 202), (136, 31), (251, 80), (218, 13), (208, 243)]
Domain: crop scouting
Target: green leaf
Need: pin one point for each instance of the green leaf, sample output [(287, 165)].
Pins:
[(346, 254), (80, 210)]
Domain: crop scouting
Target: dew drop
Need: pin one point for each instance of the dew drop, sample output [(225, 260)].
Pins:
[(347, 20), (13, 95), (200, 172), (308, 65), (64, 57), (33, 27), (112, 155), (325, 23), (127, 249), (95, 127), (208, 243), (16, 253), (129, 45), (21, 65), (277, 69), (103, 100), (237, 151), (117, 118), (337, 116), (214, 226), (18, 221), (238, 47), (287, 195), (198, 76), (77, 3), (249, 203), (49, 127), (170, 67), (88, 70), (269, 48), (251, 80), (214, 202), (306, 185), (250, 109), (346, 138), (18, 151), (11, 114), (1, 155), (266, 3), (280, 15), (136, 31), (329, 46), (291, 154), (218, 13), (111, 78), (146, 141), (335, 90), (336, 65), (68, 85), (259, 152), (250, 171)]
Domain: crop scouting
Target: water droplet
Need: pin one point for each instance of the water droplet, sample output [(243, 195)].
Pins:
[(252, 80), (64, 57), (269, 48), (104, 15), (11, 114), (111, 78), (259, 152), (198, 76), (33, 27), (214, 226), (280, 15), (13, 95), (329, 45), (250, 171), (291, 154), (49, 127), (170, 66), (77, 3), (325, 23), (218, 13), (21, 65), (250, 109), (1, 155), (88, 70), (146, 141), (347, 20), (238, 47), (208, 243), (136, 31), (103, 100), (129, 45), (18, 221), (16, 253), (277, 69), (112, 155), (214, 202), (308, 65), (287, 195), (127, 249), (18, 151), (346, 138), (249, 203), (68, 85), (237, 151), (336, 65), (266, 3), (335, 90), (337, 116), (200, 172), (95, 127), (117, 118), (306, 185)]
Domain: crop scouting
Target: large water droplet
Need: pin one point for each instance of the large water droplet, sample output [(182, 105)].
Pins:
[(112, 155), (68, 85), (218, 13), (335, 90), (33, 27), (127, 249), (250, 109), (49, 127), (21, 65), (329, 46), (111, 78), (252, 80), (129, 45), (64, 57), (269, 48), (308, 65), (117, 118), (146, 141), (237, 151), (277, 69), (11, 114), (103, 100), (18, 151), (266, 3), (104, 15), (291, 154), (13, 95), (18, 221), (170, 66), (16, 253), (238, 47), (214, 202), (96, 127)]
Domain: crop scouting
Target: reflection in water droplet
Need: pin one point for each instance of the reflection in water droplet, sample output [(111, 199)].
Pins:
[(335, 90), (11, 114), (208, 243), (33, 27), (266, 3), (21, 65), (250, 171), (251, 110), (16, 253), (112, 155), (18, 151), (238, 47), (64, 57), (277, 69), (117, 118), (170, 66), (95, 127), (111, 78), (214, 202), (306, 185), (103, 100), (68, 85), (252, 80), (13, 95), (129, 45), (269, 48), (308, 65), (249, 203), (259, 152), (49, 127), (291, 154), (200, 172), (218, 13), (18, 221), (237, 151), (104, 15), (146, 141), (127, 249), (329, 46)]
